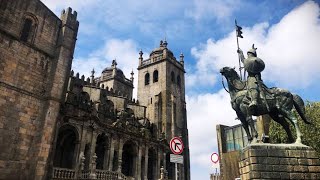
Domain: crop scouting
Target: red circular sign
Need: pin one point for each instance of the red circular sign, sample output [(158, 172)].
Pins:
[(214, 158), (176, 145)]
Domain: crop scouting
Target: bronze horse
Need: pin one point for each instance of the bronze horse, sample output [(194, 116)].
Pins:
[(279, 106)]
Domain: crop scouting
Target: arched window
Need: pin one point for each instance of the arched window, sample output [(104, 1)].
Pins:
[(179, 81), (172, 76), (155, 76), (147, 79), (28, 28), (26, 31)]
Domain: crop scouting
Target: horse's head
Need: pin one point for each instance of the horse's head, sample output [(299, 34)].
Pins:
[(234, 82), (229, 72)]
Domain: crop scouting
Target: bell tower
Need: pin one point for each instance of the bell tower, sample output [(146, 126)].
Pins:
[(161, 88)]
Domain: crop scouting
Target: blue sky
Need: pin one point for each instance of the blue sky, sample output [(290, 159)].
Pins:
[(286, 33)]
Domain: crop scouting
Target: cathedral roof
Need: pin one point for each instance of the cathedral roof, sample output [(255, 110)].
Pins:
[(110, 69), (113, 72), (159, 50)]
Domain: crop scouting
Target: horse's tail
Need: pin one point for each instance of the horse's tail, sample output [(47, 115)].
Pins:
[(299, 105)]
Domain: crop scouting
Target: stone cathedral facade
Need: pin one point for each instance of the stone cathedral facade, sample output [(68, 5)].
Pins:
[(57, 124)]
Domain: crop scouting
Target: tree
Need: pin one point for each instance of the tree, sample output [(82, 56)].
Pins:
[(310, 132)]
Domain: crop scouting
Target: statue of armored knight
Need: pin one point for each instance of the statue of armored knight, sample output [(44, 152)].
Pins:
[(254, 66)]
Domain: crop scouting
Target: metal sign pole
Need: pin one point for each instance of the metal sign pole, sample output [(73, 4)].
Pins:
[(176, 166)]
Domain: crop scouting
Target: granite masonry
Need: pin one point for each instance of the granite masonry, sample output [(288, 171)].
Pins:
[(57, 124)]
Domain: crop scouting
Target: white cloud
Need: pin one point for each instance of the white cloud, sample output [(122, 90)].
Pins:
[(122, 14), (289, 49), (212, 9), (124, 51), (205, 111)]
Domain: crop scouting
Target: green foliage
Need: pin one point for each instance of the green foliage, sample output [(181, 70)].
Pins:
[(311, 133)]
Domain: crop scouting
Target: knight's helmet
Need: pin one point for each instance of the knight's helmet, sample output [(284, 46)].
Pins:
[(253, 51)]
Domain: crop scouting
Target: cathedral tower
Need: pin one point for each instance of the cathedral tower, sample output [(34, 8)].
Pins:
[(161, 88), (36, 52)]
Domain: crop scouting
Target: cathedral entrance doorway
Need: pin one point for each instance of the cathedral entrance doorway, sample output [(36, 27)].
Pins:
[(129, 157), (65, 147), (101, 147), (151, 163)]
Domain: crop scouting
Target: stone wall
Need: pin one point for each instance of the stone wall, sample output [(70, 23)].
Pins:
[(13, 14), (32, 83), (282, 161), (230, 161)]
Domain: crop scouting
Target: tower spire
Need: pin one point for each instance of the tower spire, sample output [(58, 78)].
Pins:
[(181, 59), (92, 76), (140, 57), (114, 67), (165, 43), (132, 78)]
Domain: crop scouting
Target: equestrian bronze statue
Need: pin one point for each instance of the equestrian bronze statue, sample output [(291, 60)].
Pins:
[(253, 98)]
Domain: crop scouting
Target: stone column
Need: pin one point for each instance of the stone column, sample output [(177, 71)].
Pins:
[(107, 156), (164, 161), (93, 174), (81, 166), (76, 155), (111, 153), (158, 164), (82, 141), (138, 164), (173, 117), (93, 146), (146, 162), (120, 154)]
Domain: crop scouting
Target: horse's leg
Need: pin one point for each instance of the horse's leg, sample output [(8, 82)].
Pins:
[(289, 114), (252, 127), (245, 126), (282, 121)]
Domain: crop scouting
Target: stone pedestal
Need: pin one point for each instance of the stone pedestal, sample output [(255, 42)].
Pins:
[(279, 161)]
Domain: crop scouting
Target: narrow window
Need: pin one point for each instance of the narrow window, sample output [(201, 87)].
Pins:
[(179, 81), (172, 76), (155, 76), (26, 31), (146, 79)]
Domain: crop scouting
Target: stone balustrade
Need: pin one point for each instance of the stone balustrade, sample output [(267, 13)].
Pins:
[(63, 173), (105, 174), (84, 175)]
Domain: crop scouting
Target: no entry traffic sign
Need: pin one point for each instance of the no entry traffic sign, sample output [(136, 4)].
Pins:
[(214, 158), (176, 145)]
